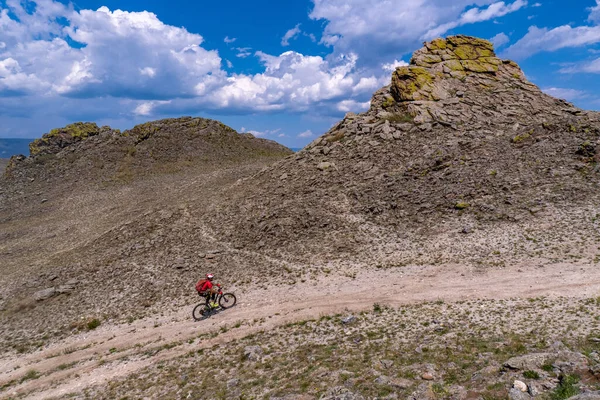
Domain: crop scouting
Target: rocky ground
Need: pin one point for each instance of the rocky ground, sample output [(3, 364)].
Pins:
[(3, 164), (463, 182), (538, 347)]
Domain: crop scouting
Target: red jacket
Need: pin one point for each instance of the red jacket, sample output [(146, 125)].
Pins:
[(207, 286)]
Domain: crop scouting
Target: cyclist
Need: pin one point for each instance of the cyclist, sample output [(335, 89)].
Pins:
[(206, 288)]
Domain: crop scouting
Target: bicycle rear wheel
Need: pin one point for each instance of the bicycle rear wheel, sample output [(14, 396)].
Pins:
[(227, 300), (201, 311)]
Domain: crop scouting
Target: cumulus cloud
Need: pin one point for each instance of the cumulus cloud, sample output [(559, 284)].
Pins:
[(291, 34), (292, 81), (391, 67), (500, 40), (229, 40), (543, 39), (562, 93), (374, 29)]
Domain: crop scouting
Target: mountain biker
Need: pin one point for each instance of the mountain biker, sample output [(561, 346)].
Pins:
[(206, 288)]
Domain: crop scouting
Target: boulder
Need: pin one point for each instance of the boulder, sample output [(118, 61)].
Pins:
[(529, 361), (516, 394), (45, 294)]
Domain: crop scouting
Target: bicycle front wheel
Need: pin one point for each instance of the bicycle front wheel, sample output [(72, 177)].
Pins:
[(227, 300), (201, 311)]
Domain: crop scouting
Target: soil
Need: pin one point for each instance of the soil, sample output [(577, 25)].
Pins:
[(325, 296)]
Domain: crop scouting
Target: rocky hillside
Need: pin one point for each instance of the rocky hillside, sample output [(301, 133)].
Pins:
[(460, 158), (85, 222), (83, 151)]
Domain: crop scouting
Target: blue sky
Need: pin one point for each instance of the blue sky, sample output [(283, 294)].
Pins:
[(283, 70)]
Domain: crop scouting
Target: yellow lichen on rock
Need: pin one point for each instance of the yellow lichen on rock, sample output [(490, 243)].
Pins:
[(479, 66), (436, 44), (411, 83), (436, 67)]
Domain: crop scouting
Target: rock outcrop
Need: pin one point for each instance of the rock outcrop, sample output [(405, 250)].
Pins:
[(459, 139)]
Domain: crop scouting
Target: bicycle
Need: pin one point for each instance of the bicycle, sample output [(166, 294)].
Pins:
[(205, 310)]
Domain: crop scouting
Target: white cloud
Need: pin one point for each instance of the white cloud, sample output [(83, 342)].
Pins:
[(474, 15), (592, 67), (595, 13), (374, 29), (291, 34), (229, 40), (146, 108), (536, 5), (562, 93), (306, 134), (151, 72), (261, 133), (243, 52), (500, 40), (352, 105), (391, 67), (542, 39), (229, 64), (292, 81)]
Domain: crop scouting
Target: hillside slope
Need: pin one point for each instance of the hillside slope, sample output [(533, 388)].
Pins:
[(65, 213), (459, 159)]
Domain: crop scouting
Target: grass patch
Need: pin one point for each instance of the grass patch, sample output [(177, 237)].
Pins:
[(30, 375), (566, 388)]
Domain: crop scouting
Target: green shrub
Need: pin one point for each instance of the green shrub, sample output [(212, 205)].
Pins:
[(531, 375), (566, 388), (93, 324)]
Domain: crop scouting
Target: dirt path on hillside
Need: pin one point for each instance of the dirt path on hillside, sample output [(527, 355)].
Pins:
[(115, 351)]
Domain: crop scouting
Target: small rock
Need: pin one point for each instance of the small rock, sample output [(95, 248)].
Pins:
[(44, 294), (427, 376), (522, 386), (65, 289), (348, 320), (324, 166), (387, 364), (233, 383), (44, 200), (466, 230), (283, 177), (53, 278)]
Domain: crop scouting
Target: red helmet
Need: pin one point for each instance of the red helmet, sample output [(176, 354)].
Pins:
[(210, 277)]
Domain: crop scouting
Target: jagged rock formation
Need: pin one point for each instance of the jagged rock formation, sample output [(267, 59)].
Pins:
[(459, 142)]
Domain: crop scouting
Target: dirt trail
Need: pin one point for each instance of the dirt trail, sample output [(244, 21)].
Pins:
[(74, 364)]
